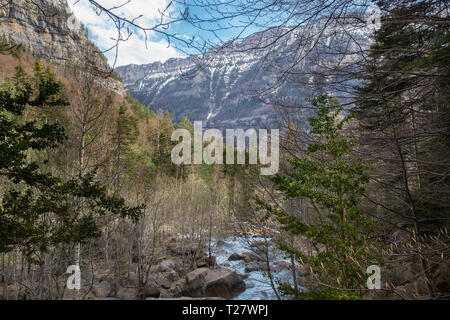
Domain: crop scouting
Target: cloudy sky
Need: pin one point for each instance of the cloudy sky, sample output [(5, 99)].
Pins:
[(136, 50), (102, 30)]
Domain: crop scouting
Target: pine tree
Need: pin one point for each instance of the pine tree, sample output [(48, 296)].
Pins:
[(36, 210), (125, 135), (403, 111), (333, 182), (161, 139)]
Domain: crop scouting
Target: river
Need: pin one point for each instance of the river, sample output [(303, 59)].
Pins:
[(257, 283)]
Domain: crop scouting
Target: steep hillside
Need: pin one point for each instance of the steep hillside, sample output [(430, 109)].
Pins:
[(46, 29), (225, 90)]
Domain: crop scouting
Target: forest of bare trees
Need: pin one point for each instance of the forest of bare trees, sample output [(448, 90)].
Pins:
[(86, 176)]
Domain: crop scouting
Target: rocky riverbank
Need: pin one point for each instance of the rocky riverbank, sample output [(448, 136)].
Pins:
[(235, 271), (185, 272)]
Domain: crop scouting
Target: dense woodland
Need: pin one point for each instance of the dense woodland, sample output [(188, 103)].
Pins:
[(86, 178)]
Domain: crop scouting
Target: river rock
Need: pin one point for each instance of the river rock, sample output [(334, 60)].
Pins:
[(171, 275), (279, 266), (223, 283), (206, 262), (236, 257), (250, 257), (102, 289), (176, 289), (256, 266), (163, 282), (221, 243), (202, 262), (195, 283), (150, 291), (198, 274), (166, 265), (128, 294), (259, 246)]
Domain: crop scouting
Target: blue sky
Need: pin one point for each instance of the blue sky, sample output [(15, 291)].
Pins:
[(136, 50), (101, 30)]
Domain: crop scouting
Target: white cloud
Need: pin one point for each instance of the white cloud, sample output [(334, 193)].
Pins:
[(135, 50)]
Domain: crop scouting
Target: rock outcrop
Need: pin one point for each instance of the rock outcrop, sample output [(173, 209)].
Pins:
[(48, 30), (43, 28), (205, 282)]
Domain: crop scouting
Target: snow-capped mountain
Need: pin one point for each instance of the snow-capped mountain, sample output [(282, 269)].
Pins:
[(228, 88)]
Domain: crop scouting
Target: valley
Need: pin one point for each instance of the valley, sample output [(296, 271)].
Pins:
[(116, 183)]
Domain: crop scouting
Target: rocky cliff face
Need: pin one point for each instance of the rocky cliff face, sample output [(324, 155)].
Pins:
[(47, 29), (226, 91), (216, 94)]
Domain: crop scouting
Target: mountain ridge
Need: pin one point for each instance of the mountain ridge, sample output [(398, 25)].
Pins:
[(49, 30), (224, 88)]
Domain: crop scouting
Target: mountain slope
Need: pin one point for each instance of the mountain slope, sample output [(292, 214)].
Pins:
[(225, 92), (47, 29)]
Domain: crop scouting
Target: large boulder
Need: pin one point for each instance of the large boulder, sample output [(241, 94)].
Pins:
[(250, 257), (236, 257), (221, 243), (102, 289), (279, 266), (162, 282), (128, 294), (223, 283), (171, 275), (196, 275), (150, 291), (195, 283), (166, 265), (256, 266), (176, 288), (206, 261), (259, 246)]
